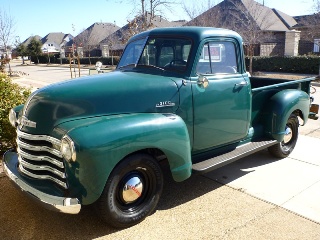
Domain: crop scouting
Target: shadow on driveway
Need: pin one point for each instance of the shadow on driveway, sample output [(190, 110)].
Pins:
[(21, 218)]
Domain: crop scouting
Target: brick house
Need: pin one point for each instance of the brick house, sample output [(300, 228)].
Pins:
[(272, 26), (116, 42), (309, 25), (88, 41), (56, 42)]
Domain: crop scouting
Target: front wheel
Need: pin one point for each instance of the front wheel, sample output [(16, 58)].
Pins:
[(132, 191), (284, 148)]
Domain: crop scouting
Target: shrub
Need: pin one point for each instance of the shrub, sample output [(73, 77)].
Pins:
[(83, 61), (43, 58), (11, 95), (299, 64)]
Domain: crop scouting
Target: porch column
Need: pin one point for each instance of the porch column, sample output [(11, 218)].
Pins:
[(62, 53), (292, 43), (104, 50), (80, 51)]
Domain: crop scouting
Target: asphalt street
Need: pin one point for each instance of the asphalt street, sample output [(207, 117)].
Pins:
[(258, 197)]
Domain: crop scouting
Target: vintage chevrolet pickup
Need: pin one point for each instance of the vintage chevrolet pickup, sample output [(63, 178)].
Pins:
[(178, 95)]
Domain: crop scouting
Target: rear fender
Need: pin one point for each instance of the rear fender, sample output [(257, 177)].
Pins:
[(280, 107), (102, 142)]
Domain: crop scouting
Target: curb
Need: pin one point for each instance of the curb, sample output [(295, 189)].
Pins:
[(64, 66)]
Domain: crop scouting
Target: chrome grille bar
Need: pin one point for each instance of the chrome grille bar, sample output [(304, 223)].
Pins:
[(38, 137), (41, 168), (44, 177), (39, 148), (40, 158)]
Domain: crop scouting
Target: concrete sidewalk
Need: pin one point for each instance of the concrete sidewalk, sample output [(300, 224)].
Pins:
[(292, 183)]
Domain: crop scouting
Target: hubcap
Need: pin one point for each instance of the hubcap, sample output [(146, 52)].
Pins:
[(132, 190), (287, 135)]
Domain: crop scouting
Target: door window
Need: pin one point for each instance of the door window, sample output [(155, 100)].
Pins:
[(218, 58)]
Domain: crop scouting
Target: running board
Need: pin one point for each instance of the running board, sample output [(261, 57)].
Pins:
[(229, 157)]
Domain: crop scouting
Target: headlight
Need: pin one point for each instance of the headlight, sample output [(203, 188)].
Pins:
[(67, 149), (13, 118)]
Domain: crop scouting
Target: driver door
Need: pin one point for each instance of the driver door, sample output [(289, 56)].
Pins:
[(221, 110)]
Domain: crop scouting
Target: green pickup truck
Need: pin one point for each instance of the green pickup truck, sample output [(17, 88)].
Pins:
[(179, 96)]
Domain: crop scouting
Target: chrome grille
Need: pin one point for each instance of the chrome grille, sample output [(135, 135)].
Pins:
[(39, 159)]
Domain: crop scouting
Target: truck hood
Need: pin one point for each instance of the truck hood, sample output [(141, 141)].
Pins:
[(104, 94)]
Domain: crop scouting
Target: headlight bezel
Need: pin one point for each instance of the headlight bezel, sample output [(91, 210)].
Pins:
[(13, 118), (68, 149)]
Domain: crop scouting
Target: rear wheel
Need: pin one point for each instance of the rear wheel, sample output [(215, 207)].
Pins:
[(284, 148), (132, 191)]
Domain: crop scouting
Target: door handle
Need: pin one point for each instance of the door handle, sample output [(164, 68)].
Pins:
[(241, 84)]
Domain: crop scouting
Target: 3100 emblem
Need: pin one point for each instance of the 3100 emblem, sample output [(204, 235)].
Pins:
[(165, 104)]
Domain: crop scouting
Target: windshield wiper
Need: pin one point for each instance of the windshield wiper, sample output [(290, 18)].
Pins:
[(128, 65), (152, 66)]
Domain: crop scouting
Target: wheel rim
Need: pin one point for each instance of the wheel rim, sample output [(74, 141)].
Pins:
[(132, 190), (288, 135), (289, 138)]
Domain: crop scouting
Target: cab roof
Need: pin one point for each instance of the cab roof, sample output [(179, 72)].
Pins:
[(197, 34)]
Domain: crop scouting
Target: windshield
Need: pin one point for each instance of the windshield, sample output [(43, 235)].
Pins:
[(169, 54)]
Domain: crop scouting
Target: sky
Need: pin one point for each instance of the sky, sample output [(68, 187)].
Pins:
[(35, 17)]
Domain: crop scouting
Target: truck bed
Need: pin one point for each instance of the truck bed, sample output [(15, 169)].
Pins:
[(260, 83), (264, 88)]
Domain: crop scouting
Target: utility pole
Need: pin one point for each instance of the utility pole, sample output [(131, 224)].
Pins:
[(48, 53), (74, 68)]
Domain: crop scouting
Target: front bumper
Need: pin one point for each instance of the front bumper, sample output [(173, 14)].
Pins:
[(55, 203)]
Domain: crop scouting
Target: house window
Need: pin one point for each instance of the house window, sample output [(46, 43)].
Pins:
[(316, 47)]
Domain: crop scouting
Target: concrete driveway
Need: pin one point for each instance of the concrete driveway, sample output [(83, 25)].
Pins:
[(38, 76), (258, 197)]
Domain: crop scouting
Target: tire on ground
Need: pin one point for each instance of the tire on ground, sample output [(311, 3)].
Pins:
[(284, 148), (132, 191)]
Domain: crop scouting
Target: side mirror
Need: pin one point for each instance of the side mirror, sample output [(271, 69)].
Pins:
[(203, 81)]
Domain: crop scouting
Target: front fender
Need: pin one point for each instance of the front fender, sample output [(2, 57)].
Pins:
[(102, 142), (281, 106)]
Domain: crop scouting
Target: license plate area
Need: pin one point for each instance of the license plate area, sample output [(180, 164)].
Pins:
[(314, 108)]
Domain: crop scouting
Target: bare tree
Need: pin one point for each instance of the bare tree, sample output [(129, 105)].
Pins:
[(158, 6), (254, 23), (195, 9), (316, 6), (315, 20), (6, 32), (148, 9), (309, 25)]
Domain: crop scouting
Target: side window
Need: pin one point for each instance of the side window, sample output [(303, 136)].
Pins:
[(218, 58), (149, 55), (166, 56), (185, 51)]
